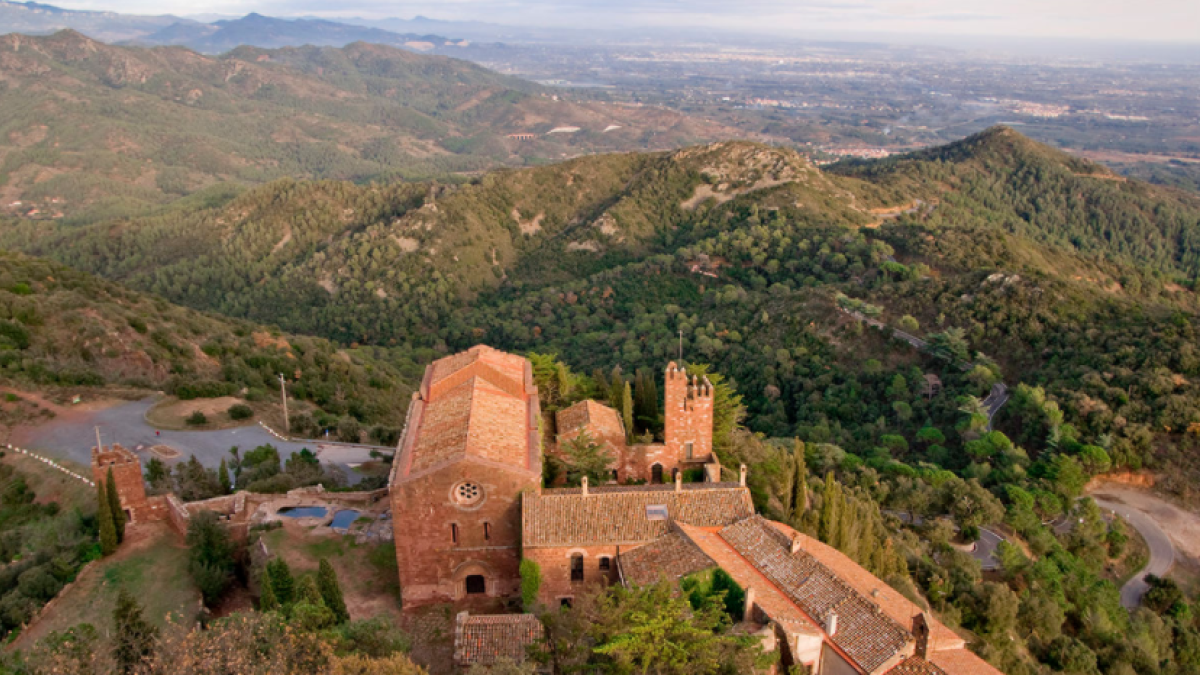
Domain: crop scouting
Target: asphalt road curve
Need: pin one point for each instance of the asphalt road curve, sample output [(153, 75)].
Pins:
[(1162, 551)]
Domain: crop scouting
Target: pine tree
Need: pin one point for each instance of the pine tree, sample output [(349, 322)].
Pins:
[(280, 576), (223, 477), (108, 531), (266, 600), (331, 591), (114, 505), (627, 412), (134, 637)]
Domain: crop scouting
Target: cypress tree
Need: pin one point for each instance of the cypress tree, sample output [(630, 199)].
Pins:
[(600, 382), (280, 576), (331, 591), (829, 514), (615, 388), (308, 593), (108, 531), (133, 638), (800, 482), (223, 477), (627, 412), (114, 505), (266, 600)]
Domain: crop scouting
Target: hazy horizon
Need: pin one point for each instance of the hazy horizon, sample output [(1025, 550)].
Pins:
[(1163, 22)]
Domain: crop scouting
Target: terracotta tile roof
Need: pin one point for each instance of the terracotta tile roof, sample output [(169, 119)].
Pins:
[(485, 638), (647, 487), (864, 632), (618, 515), (480, 403), (671, 556), (586, 412), (778, 606), (962, 662), (915, 665), (899, 608)]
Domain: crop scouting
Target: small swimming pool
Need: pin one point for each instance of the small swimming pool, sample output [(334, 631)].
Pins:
[(303, 511), (343, 519)]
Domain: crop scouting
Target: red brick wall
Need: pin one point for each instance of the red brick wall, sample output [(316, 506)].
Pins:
[(688, 415), (555, 564), (432, 566), (127, 474)]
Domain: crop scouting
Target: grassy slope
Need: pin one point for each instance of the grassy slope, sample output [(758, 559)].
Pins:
[(151, 565)]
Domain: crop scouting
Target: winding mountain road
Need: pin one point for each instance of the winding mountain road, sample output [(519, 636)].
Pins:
[(1162, 550)]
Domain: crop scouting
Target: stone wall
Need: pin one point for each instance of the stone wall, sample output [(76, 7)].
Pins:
[(688, 415), (425, 516), (127, 474), (555, 564)]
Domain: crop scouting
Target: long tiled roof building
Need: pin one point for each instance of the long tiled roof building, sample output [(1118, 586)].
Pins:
[(469, 505)]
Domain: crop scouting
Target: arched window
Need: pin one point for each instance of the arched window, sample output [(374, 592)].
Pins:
[(577, 567), (656, 473), (615, 477), (454, 532), (476, 584), (605, 563)]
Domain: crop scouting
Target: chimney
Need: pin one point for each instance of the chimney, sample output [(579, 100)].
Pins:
[(920, 631), (748, 612), (831, 624), (585, 489), (797, 544), (678, 481), (742, 479)]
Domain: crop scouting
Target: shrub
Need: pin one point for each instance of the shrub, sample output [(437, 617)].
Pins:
[(531, 582), (197, 418), (240, 411)]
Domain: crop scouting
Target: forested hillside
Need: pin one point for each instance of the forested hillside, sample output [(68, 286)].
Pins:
[(89, 130), (1027, 265), (62, 327)]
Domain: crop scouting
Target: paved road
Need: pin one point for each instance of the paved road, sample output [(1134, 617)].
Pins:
[(995, 400), (126, 424), (1162, 551), (984, 550)]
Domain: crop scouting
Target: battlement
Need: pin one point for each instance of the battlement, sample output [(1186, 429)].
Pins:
[(688, 416), (126, 469)]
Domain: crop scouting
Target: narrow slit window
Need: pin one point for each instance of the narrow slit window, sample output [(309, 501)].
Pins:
[(454, 532), (487, 531)]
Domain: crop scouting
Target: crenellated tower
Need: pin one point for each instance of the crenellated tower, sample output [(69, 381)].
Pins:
[(689, 416)]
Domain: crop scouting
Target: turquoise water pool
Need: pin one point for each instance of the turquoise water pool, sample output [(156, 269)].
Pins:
[(343, 519)]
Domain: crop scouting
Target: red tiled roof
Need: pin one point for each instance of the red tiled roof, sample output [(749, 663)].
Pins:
[(864, 632), (962, 662), (915, 665), (584, 413), (486, 638), (618, 515), (480, 404), (671, 556), (899, 608)]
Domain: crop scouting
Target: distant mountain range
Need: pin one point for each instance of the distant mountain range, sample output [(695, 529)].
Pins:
[(100, 130), (253, 30)]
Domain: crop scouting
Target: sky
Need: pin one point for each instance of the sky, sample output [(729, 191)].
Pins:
[(1162, 21)]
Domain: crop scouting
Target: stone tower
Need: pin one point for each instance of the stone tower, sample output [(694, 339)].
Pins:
[(689, 417), (127, 474)]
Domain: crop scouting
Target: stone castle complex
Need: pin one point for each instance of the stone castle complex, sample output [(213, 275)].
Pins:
[(468, 506)]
